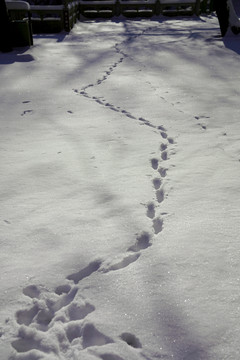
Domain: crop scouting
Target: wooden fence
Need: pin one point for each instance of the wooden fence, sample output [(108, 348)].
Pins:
[(55, 18)]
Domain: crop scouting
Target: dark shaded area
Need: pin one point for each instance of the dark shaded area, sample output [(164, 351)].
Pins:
[(232, 44), (5, 37), (110, 357), (87, 271), (131, 340), (221, 8), (236, 5), (16, 56), (58, 36)]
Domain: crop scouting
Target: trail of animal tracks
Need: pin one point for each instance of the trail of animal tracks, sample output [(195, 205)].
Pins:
[(119, 194)]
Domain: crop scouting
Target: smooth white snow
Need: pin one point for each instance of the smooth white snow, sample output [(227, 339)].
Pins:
[(120, 196)]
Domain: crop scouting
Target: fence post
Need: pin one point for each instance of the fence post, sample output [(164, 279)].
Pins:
[(197, 7), (66, 17)]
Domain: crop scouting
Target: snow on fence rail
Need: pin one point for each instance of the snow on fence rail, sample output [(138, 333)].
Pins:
[(54, 18), (132, 8)]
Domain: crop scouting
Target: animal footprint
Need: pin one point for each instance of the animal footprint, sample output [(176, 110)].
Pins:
[(157, 183), (32, 291), (120, 264), (62, 289), (151, 210), (164, 155), (131, 340), (162, 128), (73, 330), (130, 116), (26, 316), (93, 337), (146, 122), (163, 134), (162, 172), (26, 112), (79, 310), (160, 195), (154, 163), (64, 300), (163, 147), (204, 127), (114, 109), (157, 225), (29, 339), (87, 271), (142, 242)]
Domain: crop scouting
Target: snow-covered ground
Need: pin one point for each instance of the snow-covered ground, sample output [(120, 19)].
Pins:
[(120, 194)]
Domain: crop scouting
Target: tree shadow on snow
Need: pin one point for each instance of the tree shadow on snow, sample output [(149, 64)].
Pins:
[(181, 337)]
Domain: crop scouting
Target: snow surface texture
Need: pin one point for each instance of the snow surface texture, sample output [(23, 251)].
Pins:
[(120, 167)]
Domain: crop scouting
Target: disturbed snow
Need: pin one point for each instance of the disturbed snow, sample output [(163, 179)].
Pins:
[(120, 193)]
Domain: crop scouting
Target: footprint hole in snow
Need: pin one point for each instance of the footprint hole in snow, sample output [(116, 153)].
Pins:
[(64, 300), (170, 140), (44, 317), (23, 345), (160, 196), (31, 340), (85, 272), (127, 260), (164, 135), (78, 311), (164, 155), (73, 331), (163, 147), (26, 316), (151, 210), (93, 337), (161, 128), (32, 291), (142, 242), (157, 225), (131, 340), (62, 289), (162, 172), (154, 163), (157, 183)]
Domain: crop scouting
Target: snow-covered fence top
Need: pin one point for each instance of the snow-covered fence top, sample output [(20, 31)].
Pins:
[(54, 18), (94, 8), (18, 5)]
